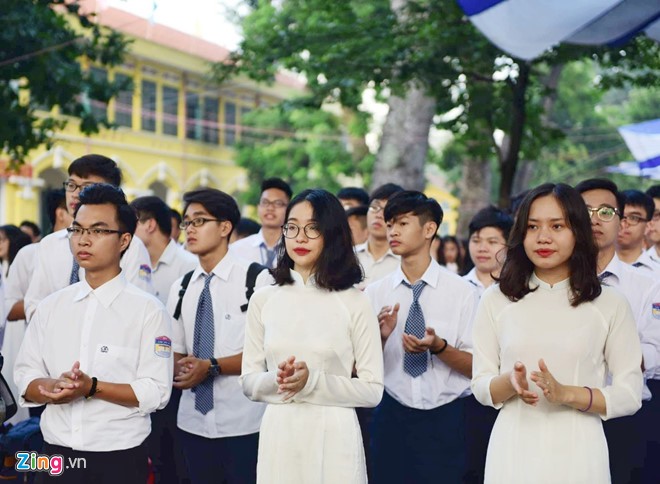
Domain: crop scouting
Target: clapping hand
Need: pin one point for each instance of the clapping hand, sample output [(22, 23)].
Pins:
[(387, 320), (553, 391), (518, 379)]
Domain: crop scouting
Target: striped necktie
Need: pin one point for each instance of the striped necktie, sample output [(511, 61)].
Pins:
[(74, 277), (203, 345), (415, 363)]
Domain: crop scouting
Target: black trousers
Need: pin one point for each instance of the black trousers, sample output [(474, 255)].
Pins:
[(117, 467)]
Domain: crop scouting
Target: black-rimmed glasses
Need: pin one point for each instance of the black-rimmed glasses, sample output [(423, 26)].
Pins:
[(93, 232), (197, 222)]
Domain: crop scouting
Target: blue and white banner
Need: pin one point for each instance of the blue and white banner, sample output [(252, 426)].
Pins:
[(526, 28)]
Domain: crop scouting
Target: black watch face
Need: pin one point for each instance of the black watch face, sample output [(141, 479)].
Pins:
[(214, 370)]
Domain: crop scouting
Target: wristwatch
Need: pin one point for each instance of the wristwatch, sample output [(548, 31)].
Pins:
[(214, 369)]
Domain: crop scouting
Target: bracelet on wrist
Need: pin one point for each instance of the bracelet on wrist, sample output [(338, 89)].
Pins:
[(441, 349), (591, 400), (92, 389)]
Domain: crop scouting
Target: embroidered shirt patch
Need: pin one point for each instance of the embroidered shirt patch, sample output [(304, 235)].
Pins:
[(163, 347), (145, 272), (655, 310)]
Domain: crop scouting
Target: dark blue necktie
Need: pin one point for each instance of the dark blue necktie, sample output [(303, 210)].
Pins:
[(270, 257), (415, 363), (74, 277), (603, 277), (203, 344)]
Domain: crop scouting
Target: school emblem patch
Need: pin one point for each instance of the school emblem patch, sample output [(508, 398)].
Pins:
[(145, 272), (655, 310), (163, 347)]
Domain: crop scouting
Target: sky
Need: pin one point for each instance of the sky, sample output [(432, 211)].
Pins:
[(209, 19)]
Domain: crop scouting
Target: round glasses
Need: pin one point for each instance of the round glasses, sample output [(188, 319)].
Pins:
[(291, 231), (604, 214)]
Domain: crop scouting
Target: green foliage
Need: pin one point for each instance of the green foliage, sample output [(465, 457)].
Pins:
[(303, 145), (42, 43)]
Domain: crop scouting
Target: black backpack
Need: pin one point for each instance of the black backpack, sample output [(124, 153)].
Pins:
[(250, 280)]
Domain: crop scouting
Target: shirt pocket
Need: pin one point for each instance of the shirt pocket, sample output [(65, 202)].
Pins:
[(115, 364), (232, 334)]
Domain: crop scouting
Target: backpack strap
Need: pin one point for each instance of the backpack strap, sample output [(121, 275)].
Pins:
[(251, 280), (184, 285)]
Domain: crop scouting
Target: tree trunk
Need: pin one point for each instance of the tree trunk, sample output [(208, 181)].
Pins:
[(511, 150), (475, 192), (405, 140)]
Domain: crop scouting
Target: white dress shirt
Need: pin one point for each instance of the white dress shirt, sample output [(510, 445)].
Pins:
[(643, 295), (119, 334), (174, 262), (473, 279), (253, 248), (233, 414), (448, 303), (647, 264), (55, 260), (375, 270)]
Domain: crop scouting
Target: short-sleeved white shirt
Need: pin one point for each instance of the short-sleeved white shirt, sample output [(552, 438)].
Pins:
[(119, 334), (448, 303), (233, 413)]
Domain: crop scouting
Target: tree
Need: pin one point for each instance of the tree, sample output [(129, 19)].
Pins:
[(303, 145), (42, 44), (426, 48)]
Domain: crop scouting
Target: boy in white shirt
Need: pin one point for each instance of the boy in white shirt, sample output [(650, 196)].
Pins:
[(218, 425), (418, 431)]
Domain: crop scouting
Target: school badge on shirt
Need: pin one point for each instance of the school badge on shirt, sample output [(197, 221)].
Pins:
[(655, 310), (163, 346), (145, 272)]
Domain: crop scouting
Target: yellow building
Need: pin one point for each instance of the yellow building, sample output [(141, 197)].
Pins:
[(176, 131)]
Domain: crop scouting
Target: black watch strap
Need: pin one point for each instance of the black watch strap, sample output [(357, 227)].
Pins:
[(214, 369), (92, 389)]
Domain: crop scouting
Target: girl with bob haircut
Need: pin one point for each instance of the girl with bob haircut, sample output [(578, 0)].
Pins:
[(550, 314), (306, 337)]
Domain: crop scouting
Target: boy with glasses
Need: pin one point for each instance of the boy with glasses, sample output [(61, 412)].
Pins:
[(98, 353), (626, 436), (263, 247), (637, 213), (56, 268), (217, 424), (653, 229)]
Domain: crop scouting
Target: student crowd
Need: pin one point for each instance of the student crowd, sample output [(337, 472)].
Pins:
[(342, 340)]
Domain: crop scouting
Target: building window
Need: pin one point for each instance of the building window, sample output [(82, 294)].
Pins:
[(230, 124), (124, 102), (193, 117), (170, 110), (210, 132), (99, 108), (148, 106)]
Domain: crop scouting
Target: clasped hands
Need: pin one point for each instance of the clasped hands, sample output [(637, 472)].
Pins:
[(190, 372), (292, 377), (70, 386), (553, 391)]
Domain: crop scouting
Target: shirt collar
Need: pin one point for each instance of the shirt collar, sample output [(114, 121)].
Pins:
[(431, 276), (169, 254), (298, 279), (222, 269), (61, 234), (258, 239), (473, 278), (616, 267), (106, 293), (365, 248)]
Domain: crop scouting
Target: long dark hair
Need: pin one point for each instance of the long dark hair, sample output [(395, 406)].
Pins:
[(337, 267), (17, 240), (517, 269)]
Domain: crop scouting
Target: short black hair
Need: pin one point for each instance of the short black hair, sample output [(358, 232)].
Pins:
[(278, 183), (360, 212), (637, 198), (34, 227), (654, 191), (104, 193), (55, 198), (247, 226), (602, 184), (384, 192), (337, 267), (176, 215), (218, 203), (427, 209), (354, 193), (491, 216), (96, 165), (151, 207)]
